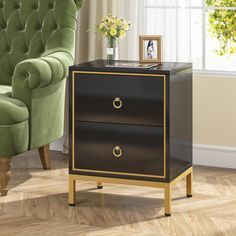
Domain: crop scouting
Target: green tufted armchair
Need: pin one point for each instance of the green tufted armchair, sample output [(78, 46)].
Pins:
[(37, 41)]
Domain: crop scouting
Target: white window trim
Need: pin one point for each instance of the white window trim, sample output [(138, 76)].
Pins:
[(214, 73)]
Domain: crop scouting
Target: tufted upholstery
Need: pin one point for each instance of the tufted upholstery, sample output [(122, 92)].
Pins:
[(37, 40), (31, 28)]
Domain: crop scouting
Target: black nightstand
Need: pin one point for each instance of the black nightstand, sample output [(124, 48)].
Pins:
[(131, 126)]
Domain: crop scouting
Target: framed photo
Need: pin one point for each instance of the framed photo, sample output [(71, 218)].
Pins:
[(150, 48)]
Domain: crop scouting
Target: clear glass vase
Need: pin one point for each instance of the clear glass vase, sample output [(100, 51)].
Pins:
[(112, 52)]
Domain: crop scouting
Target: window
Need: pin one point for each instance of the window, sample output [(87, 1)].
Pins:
[(195, 30)]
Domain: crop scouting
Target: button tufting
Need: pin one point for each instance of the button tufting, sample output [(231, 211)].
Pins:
[(35, 7), (17, 7), (4, 26), (51, 6), (22, 28), (39, 28)]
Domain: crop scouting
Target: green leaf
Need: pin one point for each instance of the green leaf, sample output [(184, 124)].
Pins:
[(222, 26)]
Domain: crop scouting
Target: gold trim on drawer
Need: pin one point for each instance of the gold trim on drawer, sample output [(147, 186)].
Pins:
[(73, 124)]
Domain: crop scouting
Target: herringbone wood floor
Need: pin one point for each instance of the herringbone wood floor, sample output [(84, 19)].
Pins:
[(37, 204)]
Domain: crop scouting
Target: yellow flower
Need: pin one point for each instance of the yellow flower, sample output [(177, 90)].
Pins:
[(113, 27), (113, 32), (101, 25), (126, 27), (105, 18), (122, 33), (118, 22)]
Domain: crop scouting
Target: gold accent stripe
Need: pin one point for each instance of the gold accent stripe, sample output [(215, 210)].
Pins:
[(119, 173), (73, 126), (119, 181), (164, 118), (131, 181), (73, 117), (117, 73), (184, 174)]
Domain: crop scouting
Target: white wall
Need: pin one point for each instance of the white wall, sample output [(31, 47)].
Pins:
[(214, 120)]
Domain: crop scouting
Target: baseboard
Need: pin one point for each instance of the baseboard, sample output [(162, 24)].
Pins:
[(217, 156)]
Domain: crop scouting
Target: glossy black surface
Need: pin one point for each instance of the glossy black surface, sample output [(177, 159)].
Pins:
[(142, 99), (180, 121), (138, 128), (142, 148), (164, 68)]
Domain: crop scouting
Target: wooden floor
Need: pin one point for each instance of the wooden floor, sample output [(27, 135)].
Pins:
[(37, 204)]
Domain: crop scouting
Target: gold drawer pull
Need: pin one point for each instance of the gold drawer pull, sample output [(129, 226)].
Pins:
[(117, 103), (117, 151)]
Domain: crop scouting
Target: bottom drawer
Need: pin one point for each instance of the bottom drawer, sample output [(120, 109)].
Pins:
[(118, 149)]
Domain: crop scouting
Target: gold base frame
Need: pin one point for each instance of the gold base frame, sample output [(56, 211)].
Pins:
[(166, 186)]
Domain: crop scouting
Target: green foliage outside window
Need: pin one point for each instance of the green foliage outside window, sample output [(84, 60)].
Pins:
[(223, 25)]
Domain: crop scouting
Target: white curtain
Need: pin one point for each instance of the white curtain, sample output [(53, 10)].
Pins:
[(172, 19), (91, 46), (132, 11)]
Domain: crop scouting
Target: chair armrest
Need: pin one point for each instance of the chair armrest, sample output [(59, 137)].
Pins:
[(42, 71)]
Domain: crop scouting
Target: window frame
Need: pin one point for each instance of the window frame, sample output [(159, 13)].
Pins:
[(204, 8)]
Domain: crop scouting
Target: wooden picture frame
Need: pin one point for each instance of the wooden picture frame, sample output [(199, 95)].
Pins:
[(155, 45)]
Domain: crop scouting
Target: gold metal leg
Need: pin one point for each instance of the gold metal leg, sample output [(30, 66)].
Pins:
[(71, 197), (189, 180), (99, 185), (168, 199)]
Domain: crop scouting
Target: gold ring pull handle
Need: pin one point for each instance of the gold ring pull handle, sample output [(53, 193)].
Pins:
[(117, 103), (117, 151)]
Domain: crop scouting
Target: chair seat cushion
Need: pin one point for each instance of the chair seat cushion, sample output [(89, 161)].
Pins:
[(12, 111)]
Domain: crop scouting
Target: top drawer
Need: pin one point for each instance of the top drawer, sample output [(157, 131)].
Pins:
[(119, 98)]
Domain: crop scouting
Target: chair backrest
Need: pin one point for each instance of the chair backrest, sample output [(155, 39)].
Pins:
[(33, 28)]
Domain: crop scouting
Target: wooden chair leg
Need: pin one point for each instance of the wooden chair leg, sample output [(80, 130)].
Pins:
[(4, 174), (44, 156)]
